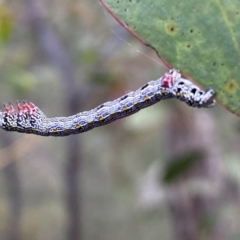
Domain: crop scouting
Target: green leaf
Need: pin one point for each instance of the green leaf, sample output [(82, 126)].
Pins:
[(201, 38), (178, 165), (6, 23)]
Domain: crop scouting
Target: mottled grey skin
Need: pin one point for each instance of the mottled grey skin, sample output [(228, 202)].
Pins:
[(189, 93), (171, 85)]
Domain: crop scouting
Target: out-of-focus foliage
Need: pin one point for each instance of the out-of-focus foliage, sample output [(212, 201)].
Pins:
[(180, 165), (6, 22)]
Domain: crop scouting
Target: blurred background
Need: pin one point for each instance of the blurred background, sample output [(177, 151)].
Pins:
[(167, 172)]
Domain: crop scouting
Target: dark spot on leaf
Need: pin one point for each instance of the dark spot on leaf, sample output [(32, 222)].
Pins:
[(191, 31), (171, 29), (214, 64), (231, 86), (188, 46)]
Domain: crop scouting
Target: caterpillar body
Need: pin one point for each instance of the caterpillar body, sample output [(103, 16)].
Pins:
[(30, 119)]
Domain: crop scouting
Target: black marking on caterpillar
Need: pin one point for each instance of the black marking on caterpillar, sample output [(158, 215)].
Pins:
[(30, 119)]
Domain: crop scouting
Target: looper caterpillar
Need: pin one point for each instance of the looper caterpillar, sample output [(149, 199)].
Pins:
[(30, 119)]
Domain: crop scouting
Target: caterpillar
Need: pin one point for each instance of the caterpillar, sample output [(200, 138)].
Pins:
[(30, 119)]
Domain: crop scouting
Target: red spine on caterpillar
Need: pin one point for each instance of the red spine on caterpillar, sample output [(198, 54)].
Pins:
[(170, 78), (9, 108)]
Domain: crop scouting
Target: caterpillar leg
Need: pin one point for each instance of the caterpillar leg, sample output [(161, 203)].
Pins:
[(207, 99)]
